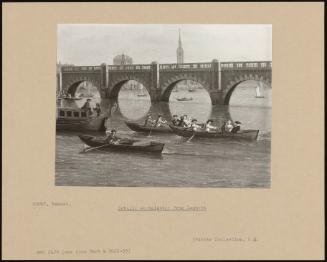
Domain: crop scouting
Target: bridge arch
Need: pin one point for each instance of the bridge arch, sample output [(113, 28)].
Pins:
[(168, 86), (228, 91), (117, 83), (71, 85)]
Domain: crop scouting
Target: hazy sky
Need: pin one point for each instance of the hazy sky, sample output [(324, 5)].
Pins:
[(83, 44)]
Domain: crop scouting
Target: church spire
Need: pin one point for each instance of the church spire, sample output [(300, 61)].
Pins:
[(180, 51), (179, 38)]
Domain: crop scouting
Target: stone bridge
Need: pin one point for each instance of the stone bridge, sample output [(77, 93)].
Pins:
[(218, 78)]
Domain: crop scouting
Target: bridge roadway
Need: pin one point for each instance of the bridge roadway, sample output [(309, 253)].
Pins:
[(218, 78)]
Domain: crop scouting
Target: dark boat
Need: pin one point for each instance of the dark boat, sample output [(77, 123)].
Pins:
[(147, 129), (184, 99), (75, 119), (242, 134), (73, 98), (128, 145)]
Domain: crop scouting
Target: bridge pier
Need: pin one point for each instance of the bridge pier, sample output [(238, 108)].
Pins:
[(217, 97)]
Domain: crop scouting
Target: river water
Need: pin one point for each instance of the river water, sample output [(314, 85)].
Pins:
[(197, 163)]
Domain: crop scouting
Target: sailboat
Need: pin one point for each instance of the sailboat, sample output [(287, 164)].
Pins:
[(257, 90)]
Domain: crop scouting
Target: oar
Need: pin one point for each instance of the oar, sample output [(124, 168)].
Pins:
[(150, 131), (89, 149), (188, 140)]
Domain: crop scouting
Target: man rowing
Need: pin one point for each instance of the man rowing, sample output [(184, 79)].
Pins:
[(209, 127), (160, 121), (149, 121), (111, 137)]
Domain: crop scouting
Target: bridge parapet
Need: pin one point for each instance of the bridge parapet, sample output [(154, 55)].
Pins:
[(186, 66), (80, 68), (245, 65), (139, 67)]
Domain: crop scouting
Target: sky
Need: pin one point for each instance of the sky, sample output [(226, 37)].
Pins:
[(94, 44)]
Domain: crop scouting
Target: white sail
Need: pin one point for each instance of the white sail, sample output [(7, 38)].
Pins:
[(258, 91)]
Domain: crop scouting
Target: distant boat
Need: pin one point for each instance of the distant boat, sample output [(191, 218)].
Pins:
[(258, 95), (191, 89), (184, 99), (142, 92)]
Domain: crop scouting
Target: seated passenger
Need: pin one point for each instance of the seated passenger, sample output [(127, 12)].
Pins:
[(160, 121), (175, 120), (149, 121), (209, 127), (87, 106), (237, 127), (97, 109), (187, 121), (194, 125), (229, 126), (182, 122)]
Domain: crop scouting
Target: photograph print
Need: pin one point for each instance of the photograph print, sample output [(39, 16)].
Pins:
[(164, 105)]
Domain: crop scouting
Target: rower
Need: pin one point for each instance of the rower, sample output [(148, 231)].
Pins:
[(209, 127), (111, 137), (160, 121), (229, 126), (194, 125), (237, 127), (148, 120), (175, 120), (97, 109)]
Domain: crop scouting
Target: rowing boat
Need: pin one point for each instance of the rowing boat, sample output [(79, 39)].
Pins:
[(128, 145), (242, 134), (147, 129)]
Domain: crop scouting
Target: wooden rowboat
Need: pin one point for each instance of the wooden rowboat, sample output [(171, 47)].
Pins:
[(242, 134), (127, 146), (146, 129)]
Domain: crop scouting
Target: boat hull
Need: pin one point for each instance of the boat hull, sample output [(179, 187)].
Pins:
[(150, 147), (90, 124), (184, 99), (242, 134), (147, 129)]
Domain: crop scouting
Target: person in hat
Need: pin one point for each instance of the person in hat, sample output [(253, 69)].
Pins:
[(209, 127), (229, 126), (181, 122), (111, 137), (97, 109), (87, 106), (175, 120), (195, 125), (149, 120), (160, 121), (237, 127)]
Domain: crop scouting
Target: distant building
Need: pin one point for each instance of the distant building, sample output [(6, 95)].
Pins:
[(122, 60)]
